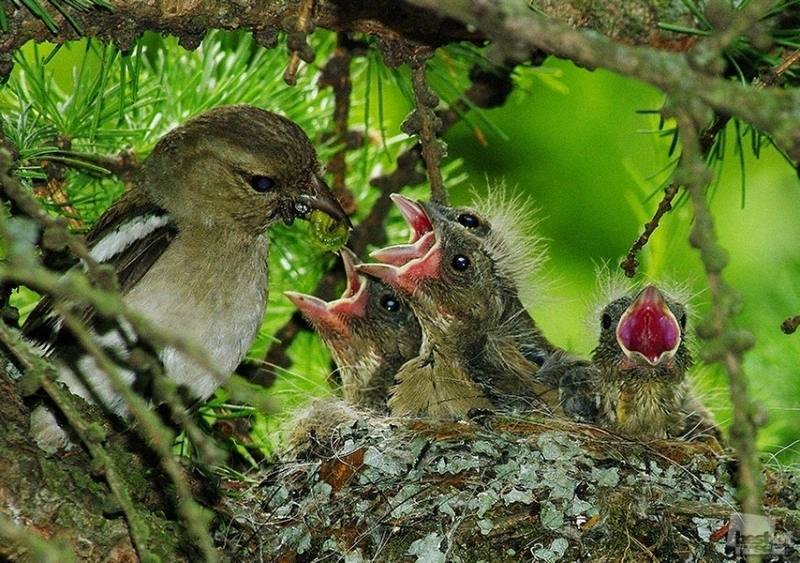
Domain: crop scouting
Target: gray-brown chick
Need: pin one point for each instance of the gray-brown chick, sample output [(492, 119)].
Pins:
[(641, 361), (465, 295), (370, 331), (499, 224)]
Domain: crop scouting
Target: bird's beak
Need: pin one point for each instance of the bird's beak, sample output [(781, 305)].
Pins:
[(320, 198), (408, 278), (648, 330), (401, 254), (422, 235), (415, 215), (335, 317), (354, 282)]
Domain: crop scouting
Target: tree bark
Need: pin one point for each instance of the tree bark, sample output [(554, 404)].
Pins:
[(634, 22), (65, 499)]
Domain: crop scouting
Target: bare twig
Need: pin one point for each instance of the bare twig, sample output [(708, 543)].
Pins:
[(631, 263), (426, 124), (336, 74), (724, 343), (297, 29), (771, 78), (707, 140)]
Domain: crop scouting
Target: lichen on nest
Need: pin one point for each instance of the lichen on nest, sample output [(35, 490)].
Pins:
[(496, 488)]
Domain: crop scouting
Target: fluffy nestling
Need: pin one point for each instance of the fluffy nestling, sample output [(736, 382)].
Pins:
[(189, 245), (478, 351), (370, 331), (641, 361)]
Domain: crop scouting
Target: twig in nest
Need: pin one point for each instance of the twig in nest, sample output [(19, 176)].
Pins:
[(424, 122), (297, 29)]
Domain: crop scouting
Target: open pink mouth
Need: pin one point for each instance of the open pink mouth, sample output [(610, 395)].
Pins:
[(336, 315), (422, 236), (648, 329), (405, 266), (415, 216)]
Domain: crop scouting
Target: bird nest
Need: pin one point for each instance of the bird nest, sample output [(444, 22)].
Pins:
[(497, 488)]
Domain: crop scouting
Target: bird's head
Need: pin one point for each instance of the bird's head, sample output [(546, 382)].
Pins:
[(238, 167), (368, 323), (445, 271), (644, 333)]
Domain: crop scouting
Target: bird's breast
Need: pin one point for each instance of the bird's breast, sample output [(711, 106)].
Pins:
[(213, 293)]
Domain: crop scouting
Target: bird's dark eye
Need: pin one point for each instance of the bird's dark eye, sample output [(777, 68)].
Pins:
[(469, 220), (606, 320), (460, 262), (262, 184), (390, 303), (683, 321)]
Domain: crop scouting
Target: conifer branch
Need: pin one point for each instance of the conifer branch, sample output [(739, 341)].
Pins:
[(724, 343)]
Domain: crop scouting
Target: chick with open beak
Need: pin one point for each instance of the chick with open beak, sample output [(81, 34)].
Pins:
[(642, 359), (480, 350), (370, 331)]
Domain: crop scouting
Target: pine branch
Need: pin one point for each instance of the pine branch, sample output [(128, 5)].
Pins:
[(725, 344), (513, 28), (708, 139)]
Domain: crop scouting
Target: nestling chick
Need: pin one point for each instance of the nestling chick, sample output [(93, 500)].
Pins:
[(499, 227), (370, 331), (465, 298), (642, 358), (189, 245)]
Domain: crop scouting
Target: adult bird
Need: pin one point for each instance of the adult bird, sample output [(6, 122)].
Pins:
[(189, 246), (370, 331)]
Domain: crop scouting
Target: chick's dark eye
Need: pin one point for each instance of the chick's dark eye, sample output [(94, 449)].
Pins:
[(262, 184), (390, 303), (460, 262), (606, 320), (469, 220)]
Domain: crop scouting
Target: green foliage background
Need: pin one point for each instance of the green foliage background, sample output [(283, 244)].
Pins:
[(574, 141)]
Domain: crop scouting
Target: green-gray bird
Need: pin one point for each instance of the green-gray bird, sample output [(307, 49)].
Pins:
[(189, 245)]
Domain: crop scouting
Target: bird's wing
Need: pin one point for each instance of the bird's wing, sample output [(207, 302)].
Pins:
[(130, 236)]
